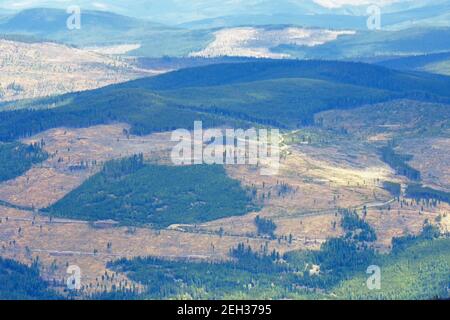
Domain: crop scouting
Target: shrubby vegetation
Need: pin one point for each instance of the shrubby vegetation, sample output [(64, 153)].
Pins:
[(134, 193), (265, 227), (17, 158), (356, 228), (252, 275), (20, 282)]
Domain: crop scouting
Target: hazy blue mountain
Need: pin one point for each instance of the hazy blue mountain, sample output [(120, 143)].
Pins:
[(106, 28), (399, 19), (328, 21), (416, 13), (377, 44), (403, 5), (44, 21), (100, 28), (175, 12)]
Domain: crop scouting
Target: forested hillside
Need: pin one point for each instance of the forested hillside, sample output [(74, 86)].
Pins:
[(285, 94), (17, 158), (20, 282), (134, 193), (423, 262), (419, 271), (359, 74), (377, 44), (418, 62)]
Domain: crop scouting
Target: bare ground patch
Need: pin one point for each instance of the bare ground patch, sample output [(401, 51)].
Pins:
[(302, 200), (75, 155)]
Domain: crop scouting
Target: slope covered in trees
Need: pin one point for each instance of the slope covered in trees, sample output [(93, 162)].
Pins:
[(353, 73), (418, 62), (134, 193), (17, 158), (420, 271), (20, 282), (398, 119), (285, 94), (423, 262)]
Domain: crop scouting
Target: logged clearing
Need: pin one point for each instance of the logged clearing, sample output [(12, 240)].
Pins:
[(75, 155), (401, 219), (59, 243), (302, 200), (258, 42), (432, 158), (65, 69)]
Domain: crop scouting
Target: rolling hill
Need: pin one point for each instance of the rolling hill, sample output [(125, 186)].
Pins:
[(378, 44), (88, 175), (47, 21), (433, 14), (326, 21), (32, 69), (100, 28), (285, 94), (313, 12), (359, 74), (436, 63), (328, 35), (397, 119)]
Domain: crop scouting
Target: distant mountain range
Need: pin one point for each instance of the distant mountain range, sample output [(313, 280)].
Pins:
[(174, 12), (410, 32), (431, 15), (47, 21)]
